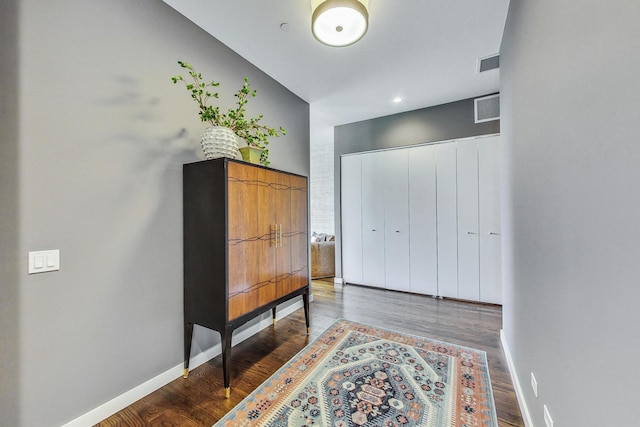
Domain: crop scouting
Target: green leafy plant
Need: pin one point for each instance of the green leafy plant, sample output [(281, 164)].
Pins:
[(250, 129)]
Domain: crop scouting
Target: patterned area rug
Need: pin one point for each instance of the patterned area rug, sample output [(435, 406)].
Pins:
[(360, 375)]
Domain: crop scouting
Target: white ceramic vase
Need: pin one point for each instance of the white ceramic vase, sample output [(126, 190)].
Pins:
[(219, 141)]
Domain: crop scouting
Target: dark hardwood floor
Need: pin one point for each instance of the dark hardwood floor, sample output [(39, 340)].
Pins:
[(199, 400)]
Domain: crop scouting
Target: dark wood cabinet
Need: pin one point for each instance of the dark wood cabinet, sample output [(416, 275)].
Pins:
[(245, 246)]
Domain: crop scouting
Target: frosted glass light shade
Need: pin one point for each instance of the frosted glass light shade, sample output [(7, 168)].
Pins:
[(339, 22)]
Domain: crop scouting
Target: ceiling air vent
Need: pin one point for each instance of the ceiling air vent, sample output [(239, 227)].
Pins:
[(487, 108), (488, 63)]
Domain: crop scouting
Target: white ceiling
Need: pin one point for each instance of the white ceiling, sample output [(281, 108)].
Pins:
[(424, 51)]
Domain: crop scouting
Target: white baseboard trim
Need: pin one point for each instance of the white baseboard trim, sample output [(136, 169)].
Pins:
[(524, 409), (122, 401)]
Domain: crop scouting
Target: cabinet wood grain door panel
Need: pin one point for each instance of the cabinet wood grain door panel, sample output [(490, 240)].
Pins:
[(266, 219), (298, 236), (244, 243), (281, 190)]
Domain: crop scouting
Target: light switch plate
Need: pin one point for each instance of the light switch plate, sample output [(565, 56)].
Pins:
[(43, 261)]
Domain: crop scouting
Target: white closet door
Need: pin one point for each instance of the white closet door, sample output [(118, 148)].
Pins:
[(490, 221), (351, 218), (447, 220), (373, 219), (396, 219), (468, 240), (422, 220)]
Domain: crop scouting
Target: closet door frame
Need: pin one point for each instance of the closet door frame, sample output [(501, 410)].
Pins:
[(452, 257)]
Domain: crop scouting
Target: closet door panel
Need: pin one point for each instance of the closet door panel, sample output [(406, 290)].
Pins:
[(373, 219), (351, 218), (396, 219), (447, 220), (422, 220), (490, 220), (468, 240)]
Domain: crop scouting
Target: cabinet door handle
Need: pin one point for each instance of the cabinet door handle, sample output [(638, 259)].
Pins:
[(491, 233), (397, 231), (374, 229), (472, 233), (280, 235), (274, 235)]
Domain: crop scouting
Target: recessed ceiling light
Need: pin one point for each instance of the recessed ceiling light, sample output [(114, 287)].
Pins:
[(397, 99)]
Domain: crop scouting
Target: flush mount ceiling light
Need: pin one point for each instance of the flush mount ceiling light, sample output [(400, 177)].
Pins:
[(339, 22)]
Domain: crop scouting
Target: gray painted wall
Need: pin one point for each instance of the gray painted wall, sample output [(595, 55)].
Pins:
[(570, 130), (438, 123), (9, 216), (94, 135)]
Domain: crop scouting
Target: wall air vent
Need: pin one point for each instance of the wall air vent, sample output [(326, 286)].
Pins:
[(487, 108), (488, 63)]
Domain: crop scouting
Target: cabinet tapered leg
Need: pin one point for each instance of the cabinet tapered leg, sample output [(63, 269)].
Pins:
[(305, 303), (188, 334), (273, 316), (226, 353)]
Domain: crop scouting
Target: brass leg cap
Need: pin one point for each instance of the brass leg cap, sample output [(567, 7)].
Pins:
[(227, 392), (307, 331), (185, 373), (274, 321)]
